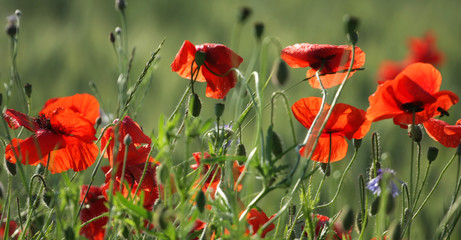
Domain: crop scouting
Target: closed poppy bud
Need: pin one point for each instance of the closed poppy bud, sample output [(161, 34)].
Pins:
[(127, 140), (350, 24), (195, 106), (241, 151), (357, 143), (326, 169), (245, 13), (259, 30), (28, 89), (111, 37), (118, 30), (11, 167), (163, 174), (69, 233), (359, 222), (347, 218), (277, 148), (12, 26), (201, 201), (200, 58), (98, 122), (120, 4), (375, 206), (48, 197), (432, 153), (415, 133), (218, 109), (395, 231), (282, 73)]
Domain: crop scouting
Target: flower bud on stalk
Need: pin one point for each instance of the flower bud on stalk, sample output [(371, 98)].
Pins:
[(120, 4), (282, 73), (218, 109), (127, 140), (326, 169), (195, 106), (415, 133), (245, 13), (28, 89), (111, 37), (350, 25), (347, 218), (201, 201), (432, 153), (277, 148), (259, 30), (11, 167), (357, 143), (241, 151)]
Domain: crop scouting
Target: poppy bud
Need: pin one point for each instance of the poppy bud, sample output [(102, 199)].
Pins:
[(375, 206), (11, 167), (12, 27), (98, 122), (415, 133), (395, 231), (245, 13), (357, 143), (259, 30), (201, 201), (69, 233), (432, 153), (200, 58), (111, 37), (127, 140), (326, 169), (407, 215), (282, 73), (28, 89), (40, 169), (241, 151), (277, 148), (218, 109), (347, 218), (163, 174), (120, 4), (350, 24), (195, 106), (48, 197)]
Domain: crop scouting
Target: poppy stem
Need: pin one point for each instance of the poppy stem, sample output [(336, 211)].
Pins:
[(287, 108), (180, 103)]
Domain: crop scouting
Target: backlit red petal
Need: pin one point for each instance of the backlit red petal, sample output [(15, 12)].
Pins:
[(436, 129), (305, 110), (322, 151), (94, 206), (17, 119), (85, 104), (70, 123), (77, 155), (183, 61)]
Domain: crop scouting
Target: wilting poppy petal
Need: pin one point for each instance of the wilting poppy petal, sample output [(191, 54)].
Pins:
[(85, 104), (333, 61), (442, 132), (17, 119), (218, 58), (414, 90), (94, 206)]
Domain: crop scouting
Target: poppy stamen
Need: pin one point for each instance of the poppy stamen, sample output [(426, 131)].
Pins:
[(443, 112), (412, 107)]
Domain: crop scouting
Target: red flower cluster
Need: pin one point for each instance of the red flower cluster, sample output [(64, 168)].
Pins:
[(94, 205), (257, 219), (345, 122), (421, 50), (219, 59), (414, 91), (63, 133), (332, 61)]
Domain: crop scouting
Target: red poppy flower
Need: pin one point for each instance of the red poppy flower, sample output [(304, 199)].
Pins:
[(415, 89), (218, 58), (132, 177), (94, 205), (425, 50), (63, 132), (389, 69), (214, 178), (335, 60), (13, 226), (257, 219), (139, 148), (442, 132), (345, 122)]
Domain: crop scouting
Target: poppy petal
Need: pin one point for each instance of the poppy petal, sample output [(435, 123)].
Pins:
[(183, 61), (77, 155), (322, 151), (435, 128), (306, 109), (34, 149), (85, 104), (70, 123), (17, 119)]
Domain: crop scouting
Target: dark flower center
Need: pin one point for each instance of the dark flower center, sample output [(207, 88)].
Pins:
[(443, 112), (43, 122), (413, 107)]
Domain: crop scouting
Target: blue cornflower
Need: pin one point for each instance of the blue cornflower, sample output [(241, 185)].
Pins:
[(374, 184)]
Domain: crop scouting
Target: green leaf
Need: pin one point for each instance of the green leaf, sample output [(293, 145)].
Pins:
[(132, 208)]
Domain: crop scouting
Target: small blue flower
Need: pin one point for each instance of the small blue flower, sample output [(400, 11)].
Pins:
[(374, 184)]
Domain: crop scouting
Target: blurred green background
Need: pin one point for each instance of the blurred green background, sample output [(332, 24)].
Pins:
[(64, 45)]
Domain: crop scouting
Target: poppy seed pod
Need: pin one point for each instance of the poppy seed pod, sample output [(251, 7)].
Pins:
[(259, 30), (326, 169), (277, 148), (28, 89), (351, 23), (127, 140), (69, 233), (195, 105), (218, 109), (395, 231), (357, 143), (120, 4), (375, 206), (241, 151), (111, 37), (432, 153), (245, 13), (200, 58)]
